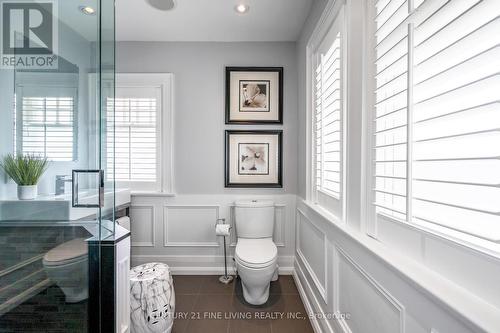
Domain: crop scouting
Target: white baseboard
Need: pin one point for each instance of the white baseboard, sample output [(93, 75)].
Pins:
[(201, 270), (307, 305), (217, 271), (204, 265), (311, 303)]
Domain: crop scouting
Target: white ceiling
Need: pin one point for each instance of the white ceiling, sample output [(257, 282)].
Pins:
[(211, 20), (71, 17)]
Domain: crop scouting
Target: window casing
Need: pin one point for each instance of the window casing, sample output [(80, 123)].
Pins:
[(436, 115), (327, 117), (139, 132)]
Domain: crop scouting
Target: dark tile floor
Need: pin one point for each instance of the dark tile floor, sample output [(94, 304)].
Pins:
[(202, 305), (205, 305), (46, 312)]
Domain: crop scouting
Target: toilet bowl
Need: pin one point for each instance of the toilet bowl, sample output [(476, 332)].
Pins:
[(255, 253), (256, 262), (67, 266)]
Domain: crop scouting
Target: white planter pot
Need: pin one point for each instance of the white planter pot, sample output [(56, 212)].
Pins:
[(28, 192)]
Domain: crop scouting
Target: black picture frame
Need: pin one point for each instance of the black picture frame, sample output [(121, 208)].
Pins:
[(229, 184), (229, 70)]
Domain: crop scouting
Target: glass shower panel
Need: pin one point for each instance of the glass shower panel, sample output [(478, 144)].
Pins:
[(107, 109), (56, 92)]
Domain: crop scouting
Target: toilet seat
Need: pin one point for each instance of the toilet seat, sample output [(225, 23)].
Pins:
[(66, 253), (256, 252)]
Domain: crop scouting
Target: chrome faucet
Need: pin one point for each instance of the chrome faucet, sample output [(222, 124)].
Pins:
[(60, 181)]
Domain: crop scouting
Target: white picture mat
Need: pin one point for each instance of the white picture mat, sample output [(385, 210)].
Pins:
[(234, 98), (235, 140)]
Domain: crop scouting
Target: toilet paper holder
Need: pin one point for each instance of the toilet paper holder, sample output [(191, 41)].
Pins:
[(225, 279)]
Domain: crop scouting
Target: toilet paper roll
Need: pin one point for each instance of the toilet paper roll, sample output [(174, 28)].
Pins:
[(124, 222), (222, 229)]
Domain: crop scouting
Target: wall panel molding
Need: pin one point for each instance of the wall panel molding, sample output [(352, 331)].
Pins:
[(311, 303), (194, 220), (280, 225), (397, 306), (321, 287), (141, 221)]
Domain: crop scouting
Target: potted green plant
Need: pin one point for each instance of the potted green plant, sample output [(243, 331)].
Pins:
[(26, 171)]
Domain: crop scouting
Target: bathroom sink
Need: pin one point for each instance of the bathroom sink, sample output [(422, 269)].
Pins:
[(52, 207), (39, 209)]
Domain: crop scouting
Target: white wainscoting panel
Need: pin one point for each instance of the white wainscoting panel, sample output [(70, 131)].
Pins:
[(180, 230), (372, 307), (142, 225), (190, 225), (369, 292), (279, 225), (312, 250), (313, 306)]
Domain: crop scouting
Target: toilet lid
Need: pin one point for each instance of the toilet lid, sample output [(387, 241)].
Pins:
[(259, 251), (68, 251)]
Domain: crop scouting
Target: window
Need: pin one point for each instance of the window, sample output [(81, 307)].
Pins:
[(45, 122), (437, 115), (327, 117), (138, 119), (135, 145)]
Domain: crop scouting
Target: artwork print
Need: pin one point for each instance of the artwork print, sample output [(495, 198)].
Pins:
[(253, 159), (254, 96)]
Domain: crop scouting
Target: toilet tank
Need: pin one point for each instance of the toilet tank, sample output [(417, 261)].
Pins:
[(254, 218)]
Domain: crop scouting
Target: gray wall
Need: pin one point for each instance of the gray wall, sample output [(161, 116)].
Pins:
[(199, 105)]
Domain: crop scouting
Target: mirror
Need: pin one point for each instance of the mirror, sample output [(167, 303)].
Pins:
[(48, 110)]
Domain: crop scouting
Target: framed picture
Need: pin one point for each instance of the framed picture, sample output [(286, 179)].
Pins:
[(253, 158), (254, 95)]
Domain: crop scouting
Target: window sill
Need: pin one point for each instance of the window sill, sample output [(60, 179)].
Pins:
[(329, 194), (326, 214), (151, 194)]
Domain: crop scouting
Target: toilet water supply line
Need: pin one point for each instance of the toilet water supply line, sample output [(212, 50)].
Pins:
[(222, 229)]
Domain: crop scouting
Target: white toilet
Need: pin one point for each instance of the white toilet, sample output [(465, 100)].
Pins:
[(256, 254), (67, 266)]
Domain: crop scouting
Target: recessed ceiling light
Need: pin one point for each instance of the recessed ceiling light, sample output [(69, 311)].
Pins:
[(242, 8), (87, 10)]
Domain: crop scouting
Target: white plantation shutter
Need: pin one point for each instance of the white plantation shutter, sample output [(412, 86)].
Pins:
[(437, 115), (328, 118), (391, 81), (134, 155), (45, 123)]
